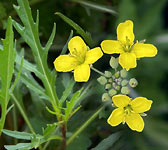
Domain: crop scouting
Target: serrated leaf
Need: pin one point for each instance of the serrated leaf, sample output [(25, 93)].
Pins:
[(7, 58), (87, 37), (30, 34)]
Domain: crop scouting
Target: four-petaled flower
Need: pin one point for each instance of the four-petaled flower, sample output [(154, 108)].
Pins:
[(78, 60), (125, 46), (129, 111)]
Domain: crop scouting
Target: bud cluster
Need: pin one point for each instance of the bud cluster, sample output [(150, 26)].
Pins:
[(116, 82)]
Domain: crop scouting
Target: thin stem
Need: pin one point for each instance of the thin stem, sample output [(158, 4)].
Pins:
[(22, 113), (81, 128), (99, 72)]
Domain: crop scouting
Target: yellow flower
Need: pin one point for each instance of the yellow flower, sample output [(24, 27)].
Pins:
[(129, 111), (125, 46), (78, 60)]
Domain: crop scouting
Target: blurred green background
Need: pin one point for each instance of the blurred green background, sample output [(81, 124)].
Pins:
[(100, 18)]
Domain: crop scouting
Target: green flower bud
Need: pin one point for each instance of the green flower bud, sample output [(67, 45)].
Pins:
[(117, 88), (108, 74), (105, 97), (117, 74), (133, 82), (124, 82), (102, 80), (112, 92), (108, 86), (110, 80), (113, 63), (123, 73), (125, 90)]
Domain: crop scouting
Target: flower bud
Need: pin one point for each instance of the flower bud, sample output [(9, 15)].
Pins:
[(133, 82), (125, 90), (123, 73), (117, 88), (102, 80), (108, 86), (105, 97), (117, 74), (110, 80), (112, 92), (124, 82), (108, 74), (113, 63)]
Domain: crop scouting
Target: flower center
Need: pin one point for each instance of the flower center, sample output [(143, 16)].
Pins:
[(80, 57), (127, 47), (128, 109)]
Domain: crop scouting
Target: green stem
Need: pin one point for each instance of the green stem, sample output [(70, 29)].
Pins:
[(22, 113), (99, 72), (84, 125)]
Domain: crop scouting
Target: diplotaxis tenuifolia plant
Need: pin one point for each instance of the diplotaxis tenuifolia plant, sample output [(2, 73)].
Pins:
[(57, 98)]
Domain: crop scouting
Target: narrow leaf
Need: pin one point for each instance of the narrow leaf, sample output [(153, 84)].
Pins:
[(85, 35)]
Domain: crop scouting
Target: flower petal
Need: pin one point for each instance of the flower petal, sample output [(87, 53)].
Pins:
[(141, 104), (127, 60), (77, 46), (111, 46), (125, 32), (82, 73), (144, 50), (135, 122), (65, 63), (121, 100), (93, 55), (116, 117)]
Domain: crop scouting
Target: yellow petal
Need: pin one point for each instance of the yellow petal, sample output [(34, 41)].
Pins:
[(65, 63), (141, 104), (93, 55), (82, 73), (116, 117), (111, 46), (125, 32), (135, 122), (144, 50), (121, 100), (77, 46), (127, 60)]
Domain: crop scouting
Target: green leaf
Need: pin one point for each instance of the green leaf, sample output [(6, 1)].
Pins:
[(19, 146), (7, 58), (86, 35), (107, 143), (19, 135), (67, 91), (28, 66), (29, 32), (49, 130), (71, 104), (96, 6)]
